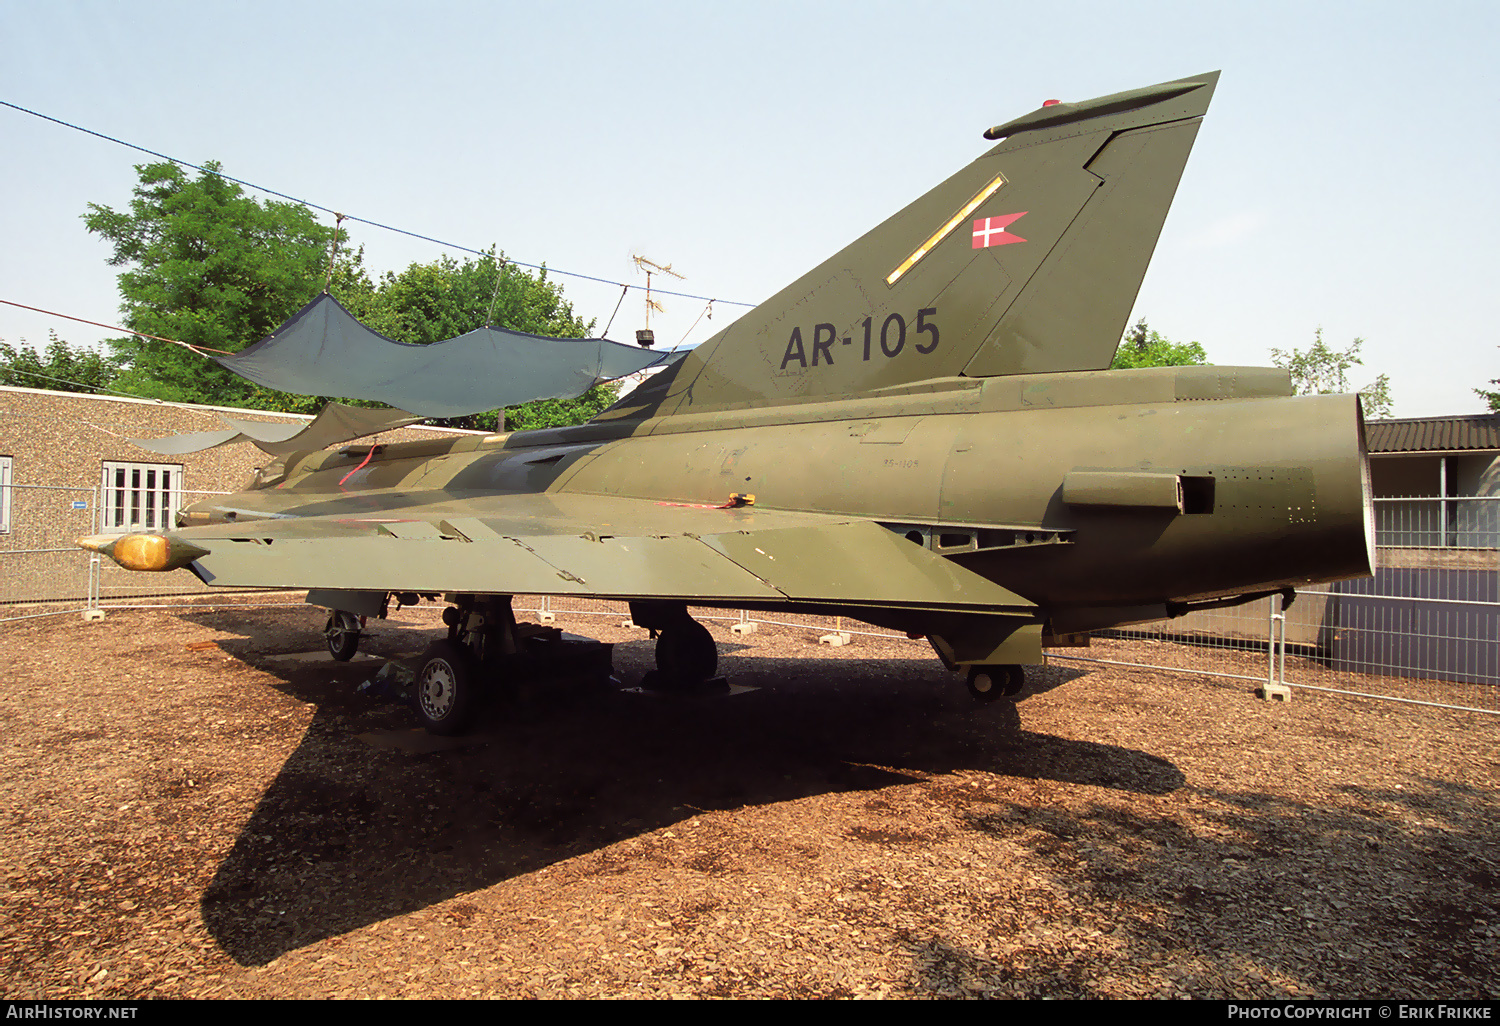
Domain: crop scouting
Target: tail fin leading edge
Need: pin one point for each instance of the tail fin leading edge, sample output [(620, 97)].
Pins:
[(1026, 261)]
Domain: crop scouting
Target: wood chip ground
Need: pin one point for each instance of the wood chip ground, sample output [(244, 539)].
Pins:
[(187, 813)]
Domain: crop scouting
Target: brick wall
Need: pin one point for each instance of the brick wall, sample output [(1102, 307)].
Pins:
[(58, 442)]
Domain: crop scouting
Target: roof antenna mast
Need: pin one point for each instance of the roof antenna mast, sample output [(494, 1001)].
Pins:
[(645, 338)]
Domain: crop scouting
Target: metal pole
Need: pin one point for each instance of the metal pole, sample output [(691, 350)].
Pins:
[(1275, 654), (1281, 645), (1443, 500), (1270, 643), (96, 526)]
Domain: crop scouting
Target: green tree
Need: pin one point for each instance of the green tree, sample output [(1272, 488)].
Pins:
[(1491, 399), (444, 299), (543, 413), (207, 265), (1319, 370), (60, 369), (1142, 347)]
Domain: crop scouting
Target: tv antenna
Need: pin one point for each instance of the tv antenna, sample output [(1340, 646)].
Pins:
[(645, 337)]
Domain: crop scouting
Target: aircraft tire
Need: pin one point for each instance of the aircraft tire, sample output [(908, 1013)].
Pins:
[(686, 652), (988, 683), (342, 634), (447, 690)]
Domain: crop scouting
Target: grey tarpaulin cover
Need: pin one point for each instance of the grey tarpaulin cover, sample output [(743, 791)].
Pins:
[(335, 423), (323, 350)]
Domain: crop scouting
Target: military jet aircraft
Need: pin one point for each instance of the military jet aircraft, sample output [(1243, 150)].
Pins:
[(919, 433)]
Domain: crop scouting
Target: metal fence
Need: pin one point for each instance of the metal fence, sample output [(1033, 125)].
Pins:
[(119, 588), (1457, 522), (544, 605), (43, 572), (39, 556), (1423, 629)]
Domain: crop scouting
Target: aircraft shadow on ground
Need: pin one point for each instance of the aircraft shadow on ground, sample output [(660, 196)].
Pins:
[(349, 833), (1265, 863)]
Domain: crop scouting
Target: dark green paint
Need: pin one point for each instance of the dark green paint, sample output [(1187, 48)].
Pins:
[(1041, 490)]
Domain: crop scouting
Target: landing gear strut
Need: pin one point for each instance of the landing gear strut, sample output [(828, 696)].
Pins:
[(488, 655), (456, 675), (987, 683)]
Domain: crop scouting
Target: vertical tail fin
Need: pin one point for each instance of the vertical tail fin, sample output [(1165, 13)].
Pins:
[(1026, 261)]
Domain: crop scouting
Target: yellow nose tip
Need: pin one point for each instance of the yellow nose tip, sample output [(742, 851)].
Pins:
[(143, 551)]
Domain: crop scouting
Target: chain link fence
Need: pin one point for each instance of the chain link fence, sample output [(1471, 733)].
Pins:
[(119, 588), (543, 605), (39, 555), (1423, 629), (43, 572)]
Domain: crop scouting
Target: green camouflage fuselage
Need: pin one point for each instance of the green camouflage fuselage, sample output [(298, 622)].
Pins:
[(974, 470)]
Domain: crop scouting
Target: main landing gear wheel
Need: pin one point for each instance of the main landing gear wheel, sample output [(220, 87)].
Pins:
[(987, 683), (686, 653), (447, 693), (342, 634)]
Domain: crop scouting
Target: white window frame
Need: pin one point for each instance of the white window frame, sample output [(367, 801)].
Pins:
[(139, 496), (5, 470)]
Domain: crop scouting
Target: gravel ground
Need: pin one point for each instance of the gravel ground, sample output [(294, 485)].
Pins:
[(189, 813)]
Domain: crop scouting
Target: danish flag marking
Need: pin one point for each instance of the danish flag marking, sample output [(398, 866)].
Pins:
[(990, 231)]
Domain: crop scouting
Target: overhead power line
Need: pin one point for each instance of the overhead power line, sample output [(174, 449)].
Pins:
[(349, 217), (200, 350), (84, 384)]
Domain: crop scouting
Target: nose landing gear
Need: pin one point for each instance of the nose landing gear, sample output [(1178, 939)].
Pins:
[(342, 632)]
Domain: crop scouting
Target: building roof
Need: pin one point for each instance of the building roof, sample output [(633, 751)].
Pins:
[(1434, 434), (198, 407)]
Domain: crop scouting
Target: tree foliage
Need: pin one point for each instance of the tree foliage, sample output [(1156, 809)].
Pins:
[(1319, 370), (444, 299), (206, 264), (61, 368), (1491, 399), (1142, 347)]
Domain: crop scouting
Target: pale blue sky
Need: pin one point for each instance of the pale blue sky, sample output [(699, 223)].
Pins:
[(1342, 178)]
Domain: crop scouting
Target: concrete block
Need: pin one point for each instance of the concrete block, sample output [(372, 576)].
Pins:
[(839, 638)]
